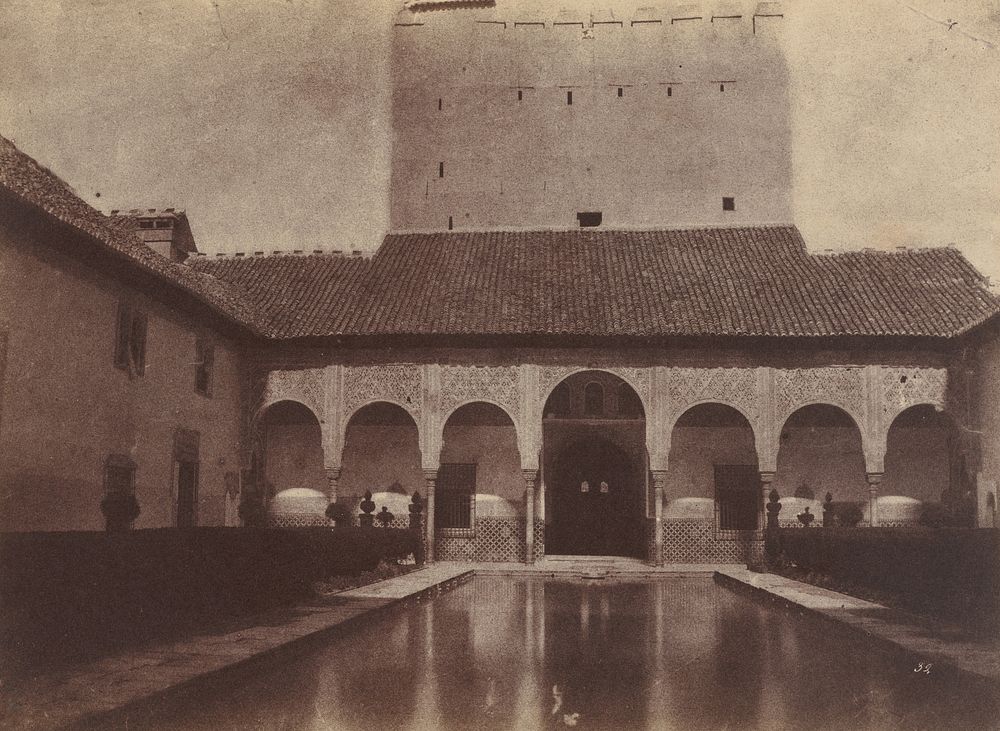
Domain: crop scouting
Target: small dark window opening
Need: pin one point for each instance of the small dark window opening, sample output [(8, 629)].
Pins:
[(164, 223), (722, 87), (619, 92), (450, 224), (670, 91), (130, 341), (146, 224), (569, 98), (589, 219), (439, 104), (203, 366), (520, 95), (728, 204), (440, 169), (119, 474)]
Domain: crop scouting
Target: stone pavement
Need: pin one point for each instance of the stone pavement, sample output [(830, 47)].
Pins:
[(598, 567), (927, 641), (82, 694)]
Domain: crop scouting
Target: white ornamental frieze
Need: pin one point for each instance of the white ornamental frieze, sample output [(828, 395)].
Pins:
[(906, 387), (399, 384), (734, 386), (463, 384), (304, 385), (839, 386)]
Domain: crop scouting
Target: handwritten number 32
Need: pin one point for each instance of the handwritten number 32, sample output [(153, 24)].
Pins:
[(923, 667)]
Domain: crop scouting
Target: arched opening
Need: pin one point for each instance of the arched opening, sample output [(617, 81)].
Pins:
[(819, 452), (381, 455), (293, 448), (294, 480), (593, 399), (479, 477), (928, 477), (594, 467), (714, 474)]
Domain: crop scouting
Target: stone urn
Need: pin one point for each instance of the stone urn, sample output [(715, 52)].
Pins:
[(367, 507), (805, 517)]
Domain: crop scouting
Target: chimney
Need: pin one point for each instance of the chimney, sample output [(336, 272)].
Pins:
[(167, 231)]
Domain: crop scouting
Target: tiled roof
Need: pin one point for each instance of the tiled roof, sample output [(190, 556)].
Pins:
[(39, 187), (755, 281)]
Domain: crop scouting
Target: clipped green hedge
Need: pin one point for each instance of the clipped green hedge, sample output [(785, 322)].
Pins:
[(67, 595), (950, 572)]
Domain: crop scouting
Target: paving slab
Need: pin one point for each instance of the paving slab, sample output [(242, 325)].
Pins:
[(928, 641), (84, 693)]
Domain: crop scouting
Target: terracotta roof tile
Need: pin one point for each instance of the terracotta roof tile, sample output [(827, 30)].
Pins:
[(755, 281), (751, 281), (37, 186)]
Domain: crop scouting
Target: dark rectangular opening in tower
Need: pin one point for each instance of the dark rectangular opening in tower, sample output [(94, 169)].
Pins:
[(589, 219), (728, 203)]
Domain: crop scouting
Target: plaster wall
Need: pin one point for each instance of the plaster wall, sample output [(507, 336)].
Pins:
[(667, 116), (376, 457), (916, 463), (66, 407), (825, 459), (694, 452), (988, 406), (294, 457), (493, 449)]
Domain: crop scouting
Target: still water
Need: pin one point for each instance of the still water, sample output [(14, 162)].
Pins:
[(540, 653)]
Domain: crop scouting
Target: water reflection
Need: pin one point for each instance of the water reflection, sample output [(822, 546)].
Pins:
[(523, 654)]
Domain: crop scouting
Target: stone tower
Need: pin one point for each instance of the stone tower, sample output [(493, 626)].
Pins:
[(518, 114)]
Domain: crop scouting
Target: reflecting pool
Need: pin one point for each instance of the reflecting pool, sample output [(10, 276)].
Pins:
[(543, 653)]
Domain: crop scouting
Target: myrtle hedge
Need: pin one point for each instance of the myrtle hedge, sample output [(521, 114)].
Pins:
[(69, 595), (951, 572)]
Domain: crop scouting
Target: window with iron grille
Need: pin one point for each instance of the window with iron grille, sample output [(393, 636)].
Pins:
[(130, 340), (455, 499)]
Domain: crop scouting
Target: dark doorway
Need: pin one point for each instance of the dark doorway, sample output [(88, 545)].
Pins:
[(187, 493), (737, 493), (597, 502)]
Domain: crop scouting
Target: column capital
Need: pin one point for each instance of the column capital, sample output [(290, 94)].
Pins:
[(767, 476), (430, 475), (332, 473), (874, 478), (530, 476), (659, 478)]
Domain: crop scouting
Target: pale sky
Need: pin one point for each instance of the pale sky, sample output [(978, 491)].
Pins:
[(267, 120)]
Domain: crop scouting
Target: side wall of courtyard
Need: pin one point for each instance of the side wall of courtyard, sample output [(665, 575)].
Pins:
[(65, 408)]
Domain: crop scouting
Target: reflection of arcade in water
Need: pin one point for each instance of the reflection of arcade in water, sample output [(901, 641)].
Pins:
[(594, 467)]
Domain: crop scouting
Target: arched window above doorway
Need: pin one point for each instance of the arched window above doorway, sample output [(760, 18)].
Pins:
[(629, 404), (593, 399)]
